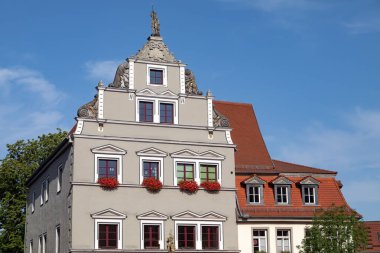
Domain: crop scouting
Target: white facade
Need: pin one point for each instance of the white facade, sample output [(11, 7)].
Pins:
[(245, 235)]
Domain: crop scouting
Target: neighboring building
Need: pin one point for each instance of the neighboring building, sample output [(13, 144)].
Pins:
[(151, 121), (276, 200), (373, 230)]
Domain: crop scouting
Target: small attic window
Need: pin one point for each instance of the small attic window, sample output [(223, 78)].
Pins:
[(156, 76)]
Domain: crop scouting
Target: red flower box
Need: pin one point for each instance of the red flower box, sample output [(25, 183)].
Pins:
[(211, 186), (152, 184), (108, 183), (188, 186)]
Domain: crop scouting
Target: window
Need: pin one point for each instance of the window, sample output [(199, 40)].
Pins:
[(185, 171), (186, 237), (31, 246), (210, 237), (283, 240), (57, 239), (282, 194), (208, 173), (33, 201), (254, 194), (151, 169), (156, 76), (42, 244), (259, 240), (44, 191), (107, 236), (107, 168), (59, 178), (309, 195), (145, 111), (151, 236), (166, 113)]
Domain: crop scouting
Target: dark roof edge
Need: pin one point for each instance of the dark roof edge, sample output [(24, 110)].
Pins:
[(58, 150)]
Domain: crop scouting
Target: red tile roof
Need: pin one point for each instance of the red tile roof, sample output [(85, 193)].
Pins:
[(251, 149), (287, 167), (373, 229), (328, 195)]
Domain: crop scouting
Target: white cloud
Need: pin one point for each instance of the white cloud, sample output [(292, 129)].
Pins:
[(353, 147), (102, 70), (31, 81), (29, 105), (367, 25)]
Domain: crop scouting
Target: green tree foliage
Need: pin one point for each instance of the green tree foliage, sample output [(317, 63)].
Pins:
[(22, 159), (335, 230)]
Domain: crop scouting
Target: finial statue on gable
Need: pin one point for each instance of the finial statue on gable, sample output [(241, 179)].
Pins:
[(155, 23)]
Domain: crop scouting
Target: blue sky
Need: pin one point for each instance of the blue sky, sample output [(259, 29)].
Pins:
[(310, 68)]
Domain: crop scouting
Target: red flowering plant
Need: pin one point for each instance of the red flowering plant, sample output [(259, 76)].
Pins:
[(152, 184), (211, 186), (188, 186), (108, 183)]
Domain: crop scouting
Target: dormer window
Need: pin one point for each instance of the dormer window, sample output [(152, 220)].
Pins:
[(254, 189), (282, 186), (309, 188), (156, 76)]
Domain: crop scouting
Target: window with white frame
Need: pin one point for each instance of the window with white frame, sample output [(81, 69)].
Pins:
[(197, 170), (108, 166), (33, 204), (254, 194), (157, 75), (157, 110), (151, 167), (283, 240), (260, 240), (309, 195), (42, 244), (282, 194), (108, 234), (152, 234), (59, 178), (44, 191), (198, 235), (31, 246), (57, 239)]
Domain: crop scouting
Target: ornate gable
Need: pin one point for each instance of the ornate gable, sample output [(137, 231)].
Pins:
[(147, 91), (309, 181), (282, 180), (152, 215), (155, 50), (151, 152), (255, 180), (184, 153), (212, 155), (109, 149), (168, 93), (108, 214)]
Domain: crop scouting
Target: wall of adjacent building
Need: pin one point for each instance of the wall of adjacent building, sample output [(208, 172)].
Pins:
[(246, 239), (56, 211)]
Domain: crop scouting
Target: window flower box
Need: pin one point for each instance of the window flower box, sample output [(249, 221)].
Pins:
[(211, 186), (152, 184), (108, 183), (188, 186)]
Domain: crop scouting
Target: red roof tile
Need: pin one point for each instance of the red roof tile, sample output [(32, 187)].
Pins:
[(328, 193), (373, 229), (251, 149), (283, 167)]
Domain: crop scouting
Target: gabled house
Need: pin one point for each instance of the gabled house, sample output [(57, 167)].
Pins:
[(151, 124), (276, 200)]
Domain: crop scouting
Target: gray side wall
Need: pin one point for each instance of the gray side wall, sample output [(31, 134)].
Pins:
[(56, 211)]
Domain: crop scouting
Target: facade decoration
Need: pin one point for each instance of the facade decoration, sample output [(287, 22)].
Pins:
[(108, 183), (152, 184), (89, 110), (211, 186), (155, 23), (155, 50), (121, 79), (219, 119), (188, 186), (190, 83)]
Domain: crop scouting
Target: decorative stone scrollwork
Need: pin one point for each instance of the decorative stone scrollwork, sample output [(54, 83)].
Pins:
[(190, 83), (121, 79), (155, 50), (89, 110), (219, 119)]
